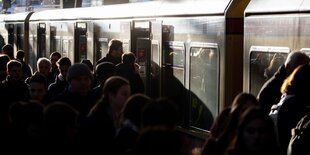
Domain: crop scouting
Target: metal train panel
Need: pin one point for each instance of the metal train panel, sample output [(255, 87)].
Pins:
[(270, 34)]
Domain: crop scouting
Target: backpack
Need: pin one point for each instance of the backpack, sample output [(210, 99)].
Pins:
[(300, 140)]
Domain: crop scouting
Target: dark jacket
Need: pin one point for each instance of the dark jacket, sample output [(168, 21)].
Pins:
[(270, 92)]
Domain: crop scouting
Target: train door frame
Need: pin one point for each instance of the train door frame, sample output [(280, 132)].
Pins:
[(144, 35)]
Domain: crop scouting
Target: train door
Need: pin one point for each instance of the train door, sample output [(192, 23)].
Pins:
[(146, 39), (80, 41), (41, 40)]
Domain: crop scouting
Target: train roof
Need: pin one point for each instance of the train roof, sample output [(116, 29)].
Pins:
[(14, 17), (132, 10), (277, 6)]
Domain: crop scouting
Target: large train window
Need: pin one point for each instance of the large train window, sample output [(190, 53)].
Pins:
[(172, 79), (264, 62), (204, 84)]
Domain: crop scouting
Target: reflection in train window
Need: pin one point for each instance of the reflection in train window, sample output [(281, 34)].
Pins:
[(204, 70), (103, 49), (172, 83), (263, 64)]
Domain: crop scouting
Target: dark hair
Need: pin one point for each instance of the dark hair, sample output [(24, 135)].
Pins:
[(114, 44), (38, 78), (63, 61), (8, 49), (20, 54), (13, 63), (55, 54), (160, 112), (133, 108), (113, 84), (128, 58)]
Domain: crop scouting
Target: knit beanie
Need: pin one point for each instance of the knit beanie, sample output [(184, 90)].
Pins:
[(77, 70)]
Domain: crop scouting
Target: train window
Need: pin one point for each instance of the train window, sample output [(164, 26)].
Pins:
[(264, 62), (174, 54), (204, 70), (306, 50)]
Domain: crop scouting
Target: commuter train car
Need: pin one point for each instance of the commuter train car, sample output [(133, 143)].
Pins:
[(272, 29), (189, 51), (13, 28)]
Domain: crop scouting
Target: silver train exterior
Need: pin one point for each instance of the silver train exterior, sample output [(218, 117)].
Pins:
[(190, 51), (272, 29)]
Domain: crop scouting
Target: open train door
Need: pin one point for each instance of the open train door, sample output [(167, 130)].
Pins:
[(146, 44)]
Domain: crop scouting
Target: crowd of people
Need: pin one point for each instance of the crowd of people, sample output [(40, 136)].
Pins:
[(101, 108)]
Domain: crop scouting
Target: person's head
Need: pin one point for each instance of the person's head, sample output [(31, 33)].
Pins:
[(79, 77), (298, 81), (44, 66), (63, 65), (243, 101), (20, 55), (160, 112), (104, 70), (117, 91), (88, 63), (8, 50), (14, 70), (22, 114), (255, 134), (54, 57), (128, 58), (294, 59), (60, 115), (4, 59), (115, 48), (133, 108), (37, 87)]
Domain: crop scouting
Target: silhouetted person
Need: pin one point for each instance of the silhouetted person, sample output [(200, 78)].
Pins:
[(8, 50), (115, 52), (270, 92), (27, 70)]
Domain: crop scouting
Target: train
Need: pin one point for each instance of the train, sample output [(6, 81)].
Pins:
[(199, 53)]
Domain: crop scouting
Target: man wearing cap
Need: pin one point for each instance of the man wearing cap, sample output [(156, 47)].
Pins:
[(78, 94)]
